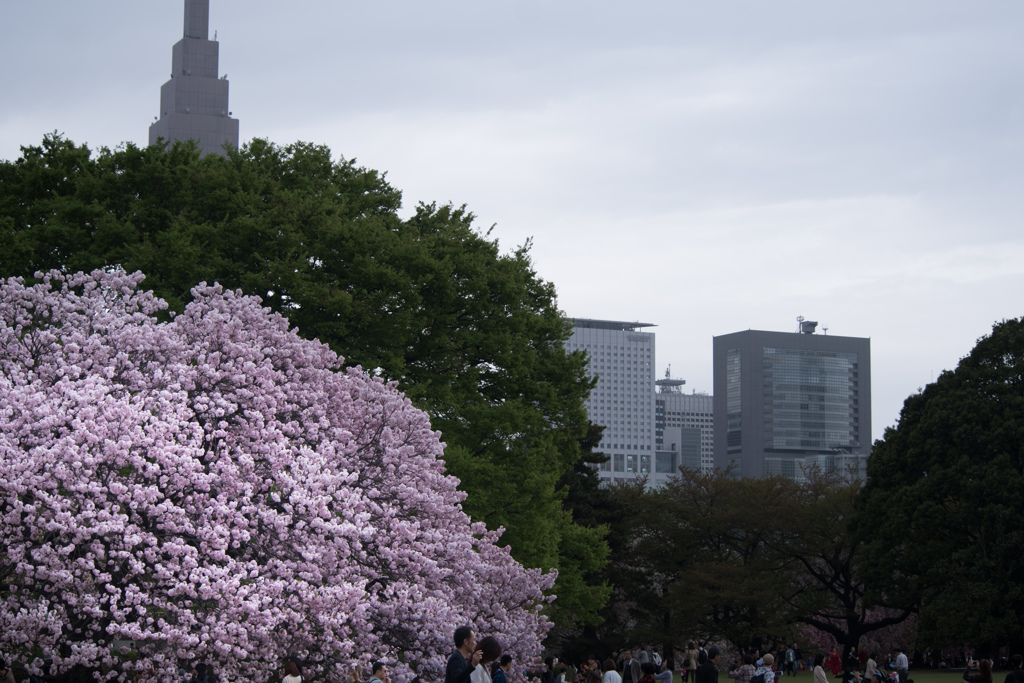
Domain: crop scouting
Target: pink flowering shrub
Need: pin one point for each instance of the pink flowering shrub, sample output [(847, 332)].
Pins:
[(216, 489)]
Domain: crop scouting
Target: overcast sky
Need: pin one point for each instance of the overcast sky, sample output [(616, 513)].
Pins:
[(705, 166)]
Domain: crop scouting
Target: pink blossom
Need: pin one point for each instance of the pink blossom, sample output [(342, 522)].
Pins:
[(216, 489)]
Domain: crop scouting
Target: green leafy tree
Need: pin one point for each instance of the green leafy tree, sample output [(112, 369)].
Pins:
[(745, 560), (822, 556), (471, 334), (695, 563), (722, 525), (942, 508)]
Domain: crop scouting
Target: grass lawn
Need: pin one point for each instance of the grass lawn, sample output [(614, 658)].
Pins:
[(918, 676), (936, 676)]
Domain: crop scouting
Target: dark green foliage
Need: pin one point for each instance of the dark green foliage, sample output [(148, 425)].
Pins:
[(705, 548), (594, 511), (943, 508), (745, 560), (471, 334), (823, 558)]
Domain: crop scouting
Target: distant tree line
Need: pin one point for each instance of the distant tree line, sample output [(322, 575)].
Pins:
[(934, 536)]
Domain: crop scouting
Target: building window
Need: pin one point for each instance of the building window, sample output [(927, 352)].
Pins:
[(809, 399), (732, 401)]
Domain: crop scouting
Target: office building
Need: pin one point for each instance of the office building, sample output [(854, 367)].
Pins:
[(194, 102), (785, 403), (622, 360), (683, 429)]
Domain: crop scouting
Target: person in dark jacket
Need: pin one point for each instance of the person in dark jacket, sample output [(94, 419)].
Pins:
[(503, 669), (984, 674), (464, 657), (1016, 674), (707, 670)]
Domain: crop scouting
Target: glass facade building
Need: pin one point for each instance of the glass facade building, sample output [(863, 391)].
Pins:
[(790, 402)]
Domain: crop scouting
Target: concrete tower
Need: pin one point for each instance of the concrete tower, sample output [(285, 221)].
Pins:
[(194, 103)]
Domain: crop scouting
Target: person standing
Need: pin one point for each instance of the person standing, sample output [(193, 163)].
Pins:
[(690, 662), (378, 673), (765, 668), (984, 674), (1016, 674), (204, 674), (464, 657), (667, 673), (549, 675), (745, 671), (707, 670), (902, 664), (819, 670), (610, 675), (489, 649), (503, 670), (789, 661), (871, 669), (291, 672), (627, 668), (833, 663)]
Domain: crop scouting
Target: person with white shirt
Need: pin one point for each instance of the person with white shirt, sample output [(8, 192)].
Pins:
[(870, 669), (490, 650), (610, 675), (901, 665)]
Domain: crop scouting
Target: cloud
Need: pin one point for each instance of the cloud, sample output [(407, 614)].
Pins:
[(708, 167)]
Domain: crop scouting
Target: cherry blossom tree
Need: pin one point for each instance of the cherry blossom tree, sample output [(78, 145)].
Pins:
[(883, 640), (214, 488)]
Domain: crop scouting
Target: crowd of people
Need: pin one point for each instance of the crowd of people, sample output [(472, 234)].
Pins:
[(482, 661), (700, 664)]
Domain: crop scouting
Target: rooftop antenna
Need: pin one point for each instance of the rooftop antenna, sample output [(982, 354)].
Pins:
[(805, 326), (825, 330), (669, 385)]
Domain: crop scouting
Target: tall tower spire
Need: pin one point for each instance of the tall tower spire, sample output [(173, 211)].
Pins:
[(194, 102), (197, 19)]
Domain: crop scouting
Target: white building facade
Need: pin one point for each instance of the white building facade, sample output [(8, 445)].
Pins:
[(623, 402), (684, 430)]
